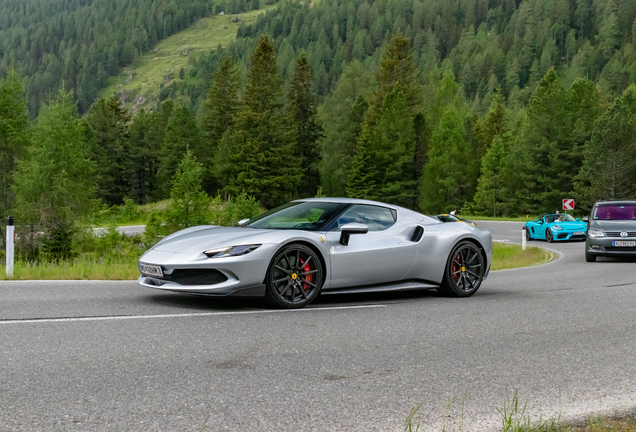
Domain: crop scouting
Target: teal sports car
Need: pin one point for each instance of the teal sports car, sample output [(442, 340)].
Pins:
[(555, 227)]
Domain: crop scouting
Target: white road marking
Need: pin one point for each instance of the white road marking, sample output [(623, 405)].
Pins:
[(129, 317)]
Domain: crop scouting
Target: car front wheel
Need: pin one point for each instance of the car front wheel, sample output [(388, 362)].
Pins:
[(590, 257), (464, 271), (294, 278), (548, 236)]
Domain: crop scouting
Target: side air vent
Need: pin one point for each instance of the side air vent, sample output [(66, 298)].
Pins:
[(417, 234)]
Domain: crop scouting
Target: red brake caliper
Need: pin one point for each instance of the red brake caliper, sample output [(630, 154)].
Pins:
[(456, 266), (308, 277)]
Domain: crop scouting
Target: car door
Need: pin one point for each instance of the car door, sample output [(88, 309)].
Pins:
[(537, 229), (382, 255)]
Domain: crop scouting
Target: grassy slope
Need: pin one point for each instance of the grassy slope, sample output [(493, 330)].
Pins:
[(171, 54)]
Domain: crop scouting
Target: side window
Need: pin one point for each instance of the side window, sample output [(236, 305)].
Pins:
[(376, 218)]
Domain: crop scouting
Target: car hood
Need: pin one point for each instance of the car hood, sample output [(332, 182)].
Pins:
[(570, 224), (607, 225), (189, 241)]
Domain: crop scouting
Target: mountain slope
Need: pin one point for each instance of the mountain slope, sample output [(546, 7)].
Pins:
[(156, 75)]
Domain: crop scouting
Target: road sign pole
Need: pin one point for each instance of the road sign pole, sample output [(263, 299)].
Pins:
[(523, 239), (10, 245)]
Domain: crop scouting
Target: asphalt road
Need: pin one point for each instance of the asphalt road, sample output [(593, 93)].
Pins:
[(112, 356)]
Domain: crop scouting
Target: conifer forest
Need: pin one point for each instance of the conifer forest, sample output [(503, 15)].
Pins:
[(490, 107)]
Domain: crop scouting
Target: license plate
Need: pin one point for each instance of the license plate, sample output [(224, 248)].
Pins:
[(578, 233), (624, 243), (151, 270)]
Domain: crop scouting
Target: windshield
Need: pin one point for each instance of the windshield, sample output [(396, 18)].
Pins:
[(310, 216), (615, 212), (562, 217)]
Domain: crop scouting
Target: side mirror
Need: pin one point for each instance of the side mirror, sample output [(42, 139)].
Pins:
[(576, 219), (540, 222), (243, 222), (349, 229), (585, 219)]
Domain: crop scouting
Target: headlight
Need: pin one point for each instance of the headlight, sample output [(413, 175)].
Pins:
[(230, 251), (595, 233), (557, 228)]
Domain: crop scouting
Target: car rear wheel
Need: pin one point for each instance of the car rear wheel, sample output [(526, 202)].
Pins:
[(464, 271), (294, 278), (527, 234), (590, 257), (548, 236)]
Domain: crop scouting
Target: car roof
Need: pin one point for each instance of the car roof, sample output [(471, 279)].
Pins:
[(615, 202), (347, 201)]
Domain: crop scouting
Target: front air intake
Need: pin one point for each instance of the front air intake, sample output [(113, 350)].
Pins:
[(196, 277)]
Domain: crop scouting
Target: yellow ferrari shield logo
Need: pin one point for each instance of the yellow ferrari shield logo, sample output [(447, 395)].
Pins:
[(322, 239), (294, 276)]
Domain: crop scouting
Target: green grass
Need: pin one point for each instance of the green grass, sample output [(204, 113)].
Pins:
[(83, 267), (509, 219), (161, 65), (507, 256)]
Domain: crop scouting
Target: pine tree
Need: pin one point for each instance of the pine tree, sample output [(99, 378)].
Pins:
[(392, 147), (260, 146), (396, 66), (342, 115), (181, 135), (302, 108), (143, 158), (489, 189), (494, 124), (107, 135), (188, 201), (221, 103), (14, 135), (361, 181), (443, 182), (609, 167), (547, 137), (55, 184), (339, 151)]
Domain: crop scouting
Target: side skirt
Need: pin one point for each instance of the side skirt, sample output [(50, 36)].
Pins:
[(391, 286)]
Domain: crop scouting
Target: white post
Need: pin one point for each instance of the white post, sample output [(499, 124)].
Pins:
[(10, 245), (523, 239)]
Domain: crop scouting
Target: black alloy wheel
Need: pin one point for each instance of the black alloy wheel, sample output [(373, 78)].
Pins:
[(464, 271), (527, 234), (294, 278), (548, 235)]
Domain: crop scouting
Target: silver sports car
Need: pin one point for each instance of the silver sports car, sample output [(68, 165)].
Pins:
[(321, 245)]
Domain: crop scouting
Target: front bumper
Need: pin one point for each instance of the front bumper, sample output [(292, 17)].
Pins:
[(241, 275), (568, 235), (604, 247)]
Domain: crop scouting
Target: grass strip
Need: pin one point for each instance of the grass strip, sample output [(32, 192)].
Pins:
[(508, 256), (83, 267)]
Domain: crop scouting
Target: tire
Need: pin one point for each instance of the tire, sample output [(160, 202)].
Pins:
[(464, 271), (548, 236), (291, 285), (590, 257), (528, 238)]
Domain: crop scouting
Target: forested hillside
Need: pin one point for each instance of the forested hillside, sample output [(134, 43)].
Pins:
[(495, 108), (82, 42)]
